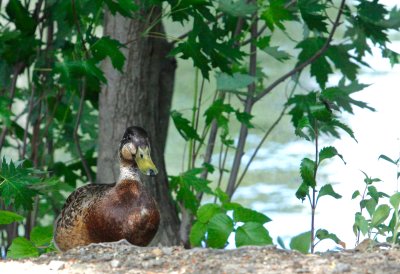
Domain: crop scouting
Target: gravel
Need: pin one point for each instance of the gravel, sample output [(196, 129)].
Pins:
[(125, 258)]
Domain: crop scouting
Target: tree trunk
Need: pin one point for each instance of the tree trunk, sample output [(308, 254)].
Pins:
[(140, 96)]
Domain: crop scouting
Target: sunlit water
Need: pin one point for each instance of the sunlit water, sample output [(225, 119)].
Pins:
[(376, 132)]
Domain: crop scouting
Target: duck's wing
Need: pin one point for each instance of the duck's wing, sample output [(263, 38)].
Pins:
[(79, 200), (76, 205)]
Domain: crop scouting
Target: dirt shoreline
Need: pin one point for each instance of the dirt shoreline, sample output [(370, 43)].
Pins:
[(122, 258)]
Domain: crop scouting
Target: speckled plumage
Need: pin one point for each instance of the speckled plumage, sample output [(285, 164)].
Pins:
[(105, 213)]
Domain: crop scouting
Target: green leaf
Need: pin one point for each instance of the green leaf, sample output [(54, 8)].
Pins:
[(191, 49), (252, 234), (22, 248), (320, 68), (5, 113), (340, 96), (219, 228), (216, 111), (15, 185), (190, 177), (369, 204), (207, 211), (361, 223), (386, 158), (312, 13), (236, 81), (355, 194), (183, 126), (329, 152), (301, 242), (275, 14), (302, 191), (394, 201), (323, 234), (21, 17), (304, 122), (328, 190), (197, 233), (222, 196), (42, 236), (70, 70), (373, 192), (106, 46), (236, 8), (339, 55), (278, 54), (344, 127), (8, 217), (307, 170), (123, 7), (380, 215), (187, 196), (393, 56), (281, 242), (243, 214), (244, 118)]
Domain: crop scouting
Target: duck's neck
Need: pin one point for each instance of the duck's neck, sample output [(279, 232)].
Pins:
[(128, 172)]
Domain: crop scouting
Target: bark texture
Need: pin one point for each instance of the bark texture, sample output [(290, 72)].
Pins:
[(140, 96)]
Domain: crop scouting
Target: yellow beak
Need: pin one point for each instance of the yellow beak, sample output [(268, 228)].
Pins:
[(144, 162)]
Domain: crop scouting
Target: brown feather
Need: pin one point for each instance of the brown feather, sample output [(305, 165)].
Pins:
[(104, 213)]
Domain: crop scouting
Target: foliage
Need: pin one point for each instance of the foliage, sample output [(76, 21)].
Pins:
[(50, 124), (53, 47), (39, 243), (374, 223), (313, 113), (215, 224)]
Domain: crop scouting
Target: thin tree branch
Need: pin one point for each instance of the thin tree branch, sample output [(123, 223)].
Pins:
[(247, 108), (17, 70), (81, 101), (312, 59), (272, 127), (76, 135)]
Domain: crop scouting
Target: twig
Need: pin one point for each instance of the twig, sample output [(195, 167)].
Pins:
[(24, 143), (248, 106), (81, 101), (272, 127), (318, 54), (76, 135), (314, 202), (17, 70)]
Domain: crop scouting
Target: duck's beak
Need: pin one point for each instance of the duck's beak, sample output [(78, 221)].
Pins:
[(144, 162)]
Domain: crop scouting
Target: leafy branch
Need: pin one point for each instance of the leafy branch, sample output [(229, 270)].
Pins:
[(313, 58)]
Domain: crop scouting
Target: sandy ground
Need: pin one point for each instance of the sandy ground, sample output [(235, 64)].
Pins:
[(123, 258)]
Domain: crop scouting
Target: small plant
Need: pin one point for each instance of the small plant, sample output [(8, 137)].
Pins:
[(314, 114), (39, 243), (214, 225), (374, 225)]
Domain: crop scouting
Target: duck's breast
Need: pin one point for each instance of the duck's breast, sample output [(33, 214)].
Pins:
[(126, 212)]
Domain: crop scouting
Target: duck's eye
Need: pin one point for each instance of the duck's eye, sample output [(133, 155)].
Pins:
[(141, 155)]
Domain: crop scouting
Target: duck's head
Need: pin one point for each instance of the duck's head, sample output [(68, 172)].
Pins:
[(135, 150)]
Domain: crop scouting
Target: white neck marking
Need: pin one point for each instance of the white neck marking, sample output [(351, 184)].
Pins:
[(128, 173)]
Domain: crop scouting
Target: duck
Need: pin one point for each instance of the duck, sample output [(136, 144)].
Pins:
[(124, 210)]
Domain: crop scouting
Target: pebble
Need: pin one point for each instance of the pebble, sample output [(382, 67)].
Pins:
[(167, 250), (56, 265), (157, 252), (341, 267), (115, 263)]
